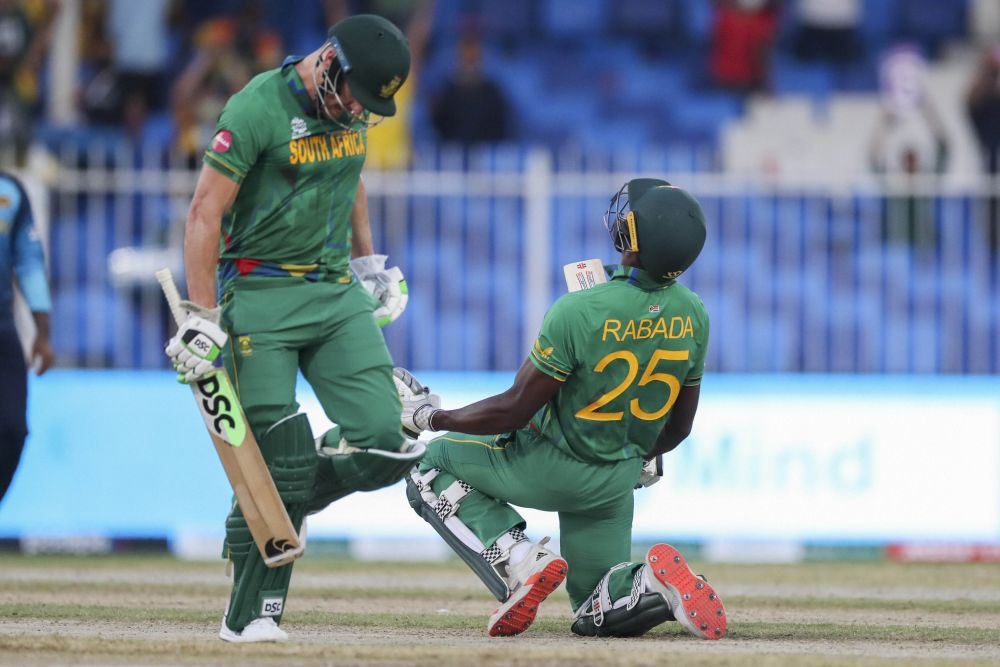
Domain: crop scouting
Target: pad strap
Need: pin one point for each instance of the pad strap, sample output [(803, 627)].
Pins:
[(447, 502), (501, 547), (601, 597), (630, 616), (423, 480)]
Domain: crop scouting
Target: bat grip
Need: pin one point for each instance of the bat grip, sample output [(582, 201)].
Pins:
[(166, 280)]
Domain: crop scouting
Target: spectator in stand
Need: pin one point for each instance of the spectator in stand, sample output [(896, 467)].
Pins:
[(909, 215), (983, 105), (984, 20), (138, 34), (229, 51), (470, 108), (25, 30), (743, 35), (827, 31)]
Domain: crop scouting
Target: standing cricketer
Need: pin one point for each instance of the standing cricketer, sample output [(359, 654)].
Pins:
[(279, 211), (611, 382), (21, 257)]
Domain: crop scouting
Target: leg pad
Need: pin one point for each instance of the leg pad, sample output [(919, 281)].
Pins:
[(259, 591), (439, 512)]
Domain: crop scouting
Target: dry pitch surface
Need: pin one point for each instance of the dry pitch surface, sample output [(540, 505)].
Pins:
[(160, 611)]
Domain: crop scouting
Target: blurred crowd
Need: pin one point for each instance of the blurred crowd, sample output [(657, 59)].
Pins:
[(161, 70)]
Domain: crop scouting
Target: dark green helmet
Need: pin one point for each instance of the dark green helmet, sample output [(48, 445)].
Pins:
[(662, 223), (374, 57)]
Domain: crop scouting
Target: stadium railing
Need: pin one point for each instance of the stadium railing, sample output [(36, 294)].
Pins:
[(799, 274)]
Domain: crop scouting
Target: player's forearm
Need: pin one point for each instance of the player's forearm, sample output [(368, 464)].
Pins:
[(496, 414), (41, 319), (361, 232), (201, 255), (679, 423), (668, 440)]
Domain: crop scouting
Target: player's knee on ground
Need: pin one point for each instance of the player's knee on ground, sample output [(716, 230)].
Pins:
[(344, 468), (622, 605), (260, 591)]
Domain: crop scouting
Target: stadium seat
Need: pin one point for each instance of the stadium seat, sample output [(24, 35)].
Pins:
[(573, 18)]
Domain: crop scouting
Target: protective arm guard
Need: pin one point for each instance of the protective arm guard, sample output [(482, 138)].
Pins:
[(344, 469)]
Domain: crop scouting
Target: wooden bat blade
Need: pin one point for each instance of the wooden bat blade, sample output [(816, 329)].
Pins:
[(244, 465)]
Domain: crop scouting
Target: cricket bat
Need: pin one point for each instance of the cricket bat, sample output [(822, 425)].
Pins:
[(584, 275), (241, 458)]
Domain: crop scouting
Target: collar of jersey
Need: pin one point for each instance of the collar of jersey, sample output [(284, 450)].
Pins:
[(295, 85), (638, 277)]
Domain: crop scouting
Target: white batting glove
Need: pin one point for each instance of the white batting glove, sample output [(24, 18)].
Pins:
[(198, 342), (419, 404), (652, 472), (388, 286)]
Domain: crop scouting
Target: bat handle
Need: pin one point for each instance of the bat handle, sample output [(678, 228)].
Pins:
[(166, 280)]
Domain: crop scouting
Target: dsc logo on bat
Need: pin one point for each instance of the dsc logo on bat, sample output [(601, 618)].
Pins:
[(219, 407)]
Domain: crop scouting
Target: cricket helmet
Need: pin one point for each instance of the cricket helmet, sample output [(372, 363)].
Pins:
[(373, 56), (660, 222)]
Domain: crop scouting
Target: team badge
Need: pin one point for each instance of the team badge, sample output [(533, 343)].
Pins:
[(246, 349), (299, 128), (389, 89), (544, 354), (222, 141)]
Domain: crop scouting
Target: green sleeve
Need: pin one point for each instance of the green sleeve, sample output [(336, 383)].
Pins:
[(698, 366), (239, 138), (552, 352)]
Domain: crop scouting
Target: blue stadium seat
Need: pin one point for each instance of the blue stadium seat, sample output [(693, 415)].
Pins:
[(878, 21), (698, 116), (930, 22), (510, 18), (573, 18), (789, 76), (663, 19), (657, 82), (698, 17)]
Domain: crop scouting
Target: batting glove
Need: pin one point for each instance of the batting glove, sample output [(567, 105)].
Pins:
[(388, 286), (419, 404), (652, 472), (198, 342)]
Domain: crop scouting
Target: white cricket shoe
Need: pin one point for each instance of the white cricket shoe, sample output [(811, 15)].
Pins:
[(537, 574), (257, 630)]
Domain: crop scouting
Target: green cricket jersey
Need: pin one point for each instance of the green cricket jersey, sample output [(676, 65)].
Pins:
[(298, 176), (623, 349)]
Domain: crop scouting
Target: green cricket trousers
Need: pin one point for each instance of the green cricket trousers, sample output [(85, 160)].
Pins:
[(594, 500)]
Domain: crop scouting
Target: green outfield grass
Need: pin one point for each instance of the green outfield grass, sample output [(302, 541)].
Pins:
[(159, 610)]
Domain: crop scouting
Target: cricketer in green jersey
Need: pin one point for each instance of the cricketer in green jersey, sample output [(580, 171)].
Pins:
[(611, 382), (280, 216)]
